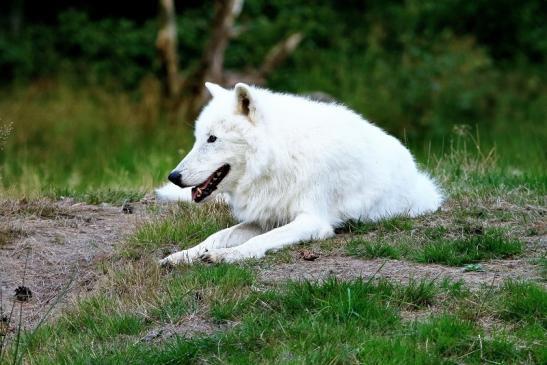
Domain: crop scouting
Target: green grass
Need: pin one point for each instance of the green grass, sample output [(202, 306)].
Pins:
[(86, 143), (112, 196), (184, 226), (395, 224), (98, 145), (296, 322), (370, 250), (102, 147), (470, 249), (435, 247), (524, 301), (542, 263)]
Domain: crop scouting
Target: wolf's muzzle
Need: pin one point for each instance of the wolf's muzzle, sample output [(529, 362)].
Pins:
[(175, 178)]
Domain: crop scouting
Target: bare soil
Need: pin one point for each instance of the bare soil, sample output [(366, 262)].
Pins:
[(55, 250), (347, 268), (188, 326)]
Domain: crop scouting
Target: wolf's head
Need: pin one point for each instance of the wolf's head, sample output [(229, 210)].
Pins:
[(223, 130)]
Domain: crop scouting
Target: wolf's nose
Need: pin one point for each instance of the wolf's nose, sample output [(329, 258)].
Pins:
[(175, 178)]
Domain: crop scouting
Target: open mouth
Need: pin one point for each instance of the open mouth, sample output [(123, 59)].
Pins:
[(205, 189)]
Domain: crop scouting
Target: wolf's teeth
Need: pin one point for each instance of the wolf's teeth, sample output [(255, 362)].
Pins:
[(219, 173)]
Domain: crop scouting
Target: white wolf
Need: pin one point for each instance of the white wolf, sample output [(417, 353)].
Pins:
[(292, 170)]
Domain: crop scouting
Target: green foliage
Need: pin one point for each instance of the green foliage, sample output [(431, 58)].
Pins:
[(426, 80), (415, 67)]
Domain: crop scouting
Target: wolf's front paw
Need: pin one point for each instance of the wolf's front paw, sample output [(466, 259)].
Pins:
[(225, 255), (181, 257), (165, 262)]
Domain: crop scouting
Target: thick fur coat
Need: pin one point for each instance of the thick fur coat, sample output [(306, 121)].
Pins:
[(292, 169)]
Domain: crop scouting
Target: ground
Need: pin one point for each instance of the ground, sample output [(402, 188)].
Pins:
[(476, 267), (54, 246)]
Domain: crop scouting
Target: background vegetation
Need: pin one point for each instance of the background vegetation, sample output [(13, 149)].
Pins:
[(83, 114), (80, 80)]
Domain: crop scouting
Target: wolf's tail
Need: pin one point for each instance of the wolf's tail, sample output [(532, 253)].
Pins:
[(428, 197), (172, 193)]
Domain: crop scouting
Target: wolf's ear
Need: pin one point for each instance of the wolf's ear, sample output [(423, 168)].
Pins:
[(215, 89), (245, 102)]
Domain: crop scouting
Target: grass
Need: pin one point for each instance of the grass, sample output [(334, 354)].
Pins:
[(186, 225), (109, 148), (295, 322), (96, 145), (86, 143), (9, 234), (371, 250), (524, 302), (471, 248)]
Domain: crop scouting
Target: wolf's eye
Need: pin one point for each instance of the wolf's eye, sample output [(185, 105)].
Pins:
[(211, 139)]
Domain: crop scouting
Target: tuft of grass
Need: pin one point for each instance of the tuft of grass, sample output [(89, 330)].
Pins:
[(435, 232), (455, 289), (542, 263), (5, 131), (524, 301), (448, 335), (470, 249), (417, 293), (102, 318), (371, 250), (111, 196), (42, 208), (184, 225), (393, 224), (9, 234)]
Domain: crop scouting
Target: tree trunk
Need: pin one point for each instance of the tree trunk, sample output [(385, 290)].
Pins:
[(211, 66), (189, 95), (166, 44)]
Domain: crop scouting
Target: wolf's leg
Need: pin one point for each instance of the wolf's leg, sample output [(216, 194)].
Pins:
[(228, 237), (304, 227), (172, 193)]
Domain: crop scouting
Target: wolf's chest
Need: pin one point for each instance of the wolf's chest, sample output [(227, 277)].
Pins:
[(267, 209)]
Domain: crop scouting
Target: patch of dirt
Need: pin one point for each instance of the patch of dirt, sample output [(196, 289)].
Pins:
[(348, 268), (189, 326), (56, 250)]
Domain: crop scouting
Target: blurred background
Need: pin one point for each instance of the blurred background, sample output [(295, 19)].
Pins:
[(99, 96)]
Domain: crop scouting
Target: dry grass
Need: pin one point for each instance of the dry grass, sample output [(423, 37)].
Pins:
[(9, 234), (39, 208)]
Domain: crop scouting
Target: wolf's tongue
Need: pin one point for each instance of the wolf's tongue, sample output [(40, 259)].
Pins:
[(201, 189)]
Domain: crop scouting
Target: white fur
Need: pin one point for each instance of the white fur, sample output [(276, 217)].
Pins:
[(299, 169)]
